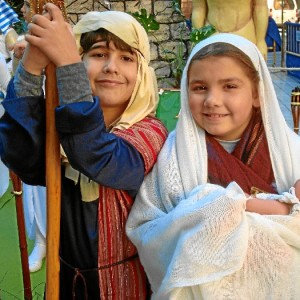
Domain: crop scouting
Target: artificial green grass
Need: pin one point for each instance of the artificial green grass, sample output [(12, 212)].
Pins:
[(11, 282)]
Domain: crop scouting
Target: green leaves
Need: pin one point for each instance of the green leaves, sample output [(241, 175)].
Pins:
[(147, 21), (198, 35)]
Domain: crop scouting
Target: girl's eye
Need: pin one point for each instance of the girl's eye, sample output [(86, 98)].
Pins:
[(199, 88)]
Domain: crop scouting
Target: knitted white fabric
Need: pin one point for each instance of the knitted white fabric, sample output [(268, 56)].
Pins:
[(195, 239)]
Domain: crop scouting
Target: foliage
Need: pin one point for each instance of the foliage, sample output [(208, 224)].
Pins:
[(177, 56), (177, 60), (176, 7), (147, 21), (198, 35), (16, 5), (20, 27)]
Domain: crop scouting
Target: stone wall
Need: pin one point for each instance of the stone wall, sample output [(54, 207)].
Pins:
[(173, 35)]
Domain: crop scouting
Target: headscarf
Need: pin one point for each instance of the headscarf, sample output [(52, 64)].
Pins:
[(284, 144), (144, 99)]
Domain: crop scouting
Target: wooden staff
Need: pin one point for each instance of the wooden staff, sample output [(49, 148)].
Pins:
[(53, 184), (53, 174), (295, 107), (17, 191)]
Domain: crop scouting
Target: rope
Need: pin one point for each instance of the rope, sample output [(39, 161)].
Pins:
[(79, 273)]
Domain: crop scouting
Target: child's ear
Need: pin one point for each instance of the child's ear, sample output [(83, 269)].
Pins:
[(255, 97)]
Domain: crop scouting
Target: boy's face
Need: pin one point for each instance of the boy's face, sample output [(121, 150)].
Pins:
[(112, 74), (221, 96)]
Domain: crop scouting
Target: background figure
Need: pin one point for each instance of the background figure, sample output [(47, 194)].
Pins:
[(34, 202), (4, 179), (34, 197), (5, 76), (4, 173), (8, 35), (247, 18), (20, 45), (220, 196)]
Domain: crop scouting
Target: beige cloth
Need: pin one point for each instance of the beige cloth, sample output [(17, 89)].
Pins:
[(144, 99), (195, 239)]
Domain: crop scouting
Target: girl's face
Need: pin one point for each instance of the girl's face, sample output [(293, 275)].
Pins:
[(112, 73), (221, 96), (25, 9)]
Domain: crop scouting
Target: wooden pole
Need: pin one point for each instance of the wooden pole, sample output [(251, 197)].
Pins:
[(295, 107), (53, 171), (17, 191), (53, 183)]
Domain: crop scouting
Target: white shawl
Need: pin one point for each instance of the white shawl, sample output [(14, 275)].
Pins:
[(195, 239)]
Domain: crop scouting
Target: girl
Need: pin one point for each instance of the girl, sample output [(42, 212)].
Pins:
[(206, 196), (110, 141)]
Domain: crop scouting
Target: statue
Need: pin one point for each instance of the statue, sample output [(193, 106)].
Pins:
[(247, 18)]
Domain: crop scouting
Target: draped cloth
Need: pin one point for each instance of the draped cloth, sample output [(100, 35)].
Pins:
[(249, 164), (194, 238), (124, 280)]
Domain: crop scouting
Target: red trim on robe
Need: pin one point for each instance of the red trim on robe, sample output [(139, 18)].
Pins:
[(126, 280)]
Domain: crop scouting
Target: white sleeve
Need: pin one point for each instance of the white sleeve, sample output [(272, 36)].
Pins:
[(5, 75)]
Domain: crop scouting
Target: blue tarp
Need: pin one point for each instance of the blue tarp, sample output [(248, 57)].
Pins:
[(273, 35)]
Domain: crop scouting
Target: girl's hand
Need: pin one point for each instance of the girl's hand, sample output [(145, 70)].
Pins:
[(53, 36)]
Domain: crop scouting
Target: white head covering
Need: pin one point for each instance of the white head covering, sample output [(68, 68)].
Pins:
[(283, 143), (144, 98)]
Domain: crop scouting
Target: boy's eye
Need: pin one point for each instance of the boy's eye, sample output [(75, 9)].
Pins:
[(96, 54), (127, 58), (230, 86)]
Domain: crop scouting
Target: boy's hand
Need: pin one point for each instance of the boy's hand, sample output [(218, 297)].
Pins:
[(34, 61), (53, 36)]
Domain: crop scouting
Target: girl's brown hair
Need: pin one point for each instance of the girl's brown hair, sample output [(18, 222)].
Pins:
[(223, 49), (88, 39)]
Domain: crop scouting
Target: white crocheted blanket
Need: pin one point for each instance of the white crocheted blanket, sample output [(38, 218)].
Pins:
[(206, 246)]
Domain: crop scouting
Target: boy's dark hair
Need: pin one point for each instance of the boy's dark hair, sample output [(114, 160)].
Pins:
[(88, 39), (223, 49)]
